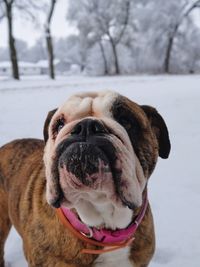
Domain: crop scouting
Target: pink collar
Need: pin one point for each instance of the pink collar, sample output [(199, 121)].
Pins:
[(103, 235)]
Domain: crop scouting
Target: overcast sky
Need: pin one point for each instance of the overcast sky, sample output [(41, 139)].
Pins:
[(25, 30)]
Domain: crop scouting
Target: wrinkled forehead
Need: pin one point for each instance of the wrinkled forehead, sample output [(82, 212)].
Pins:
[(97, 104)]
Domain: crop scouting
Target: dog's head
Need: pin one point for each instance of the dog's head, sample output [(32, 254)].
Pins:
[(100, 150)]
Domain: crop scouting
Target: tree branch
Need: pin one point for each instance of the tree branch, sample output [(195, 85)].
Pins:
[(50, 14), (185, 14), (126, 20), (26, 10)]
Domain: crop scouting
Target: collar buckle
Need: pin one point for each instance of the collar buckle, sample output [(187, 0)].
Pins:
[(88, 235)]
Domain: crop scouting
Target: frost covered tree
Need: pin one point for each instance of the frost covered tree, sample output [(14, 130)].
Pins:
[(73, 49), (102, 22), (159, 40), (186, 51), (185, 11)]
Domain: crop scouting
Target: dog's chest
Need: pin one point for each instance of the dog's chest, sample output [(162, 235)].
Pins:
[(114, 258)]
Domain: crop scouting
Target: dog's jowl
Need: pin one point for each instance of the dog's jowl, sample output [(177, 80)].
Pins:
[(79, 198)]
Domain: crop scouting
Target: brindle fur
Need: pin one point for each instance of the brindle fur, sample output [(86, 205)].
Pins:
[(23, 204)]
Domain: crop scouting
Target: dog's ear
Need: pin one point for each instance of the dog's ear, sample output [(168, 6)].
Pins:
[(160, 129), (46, 124)]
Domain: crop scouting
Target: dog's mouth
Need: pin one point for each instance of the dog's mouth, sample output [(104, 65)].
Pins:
[(85, 163)]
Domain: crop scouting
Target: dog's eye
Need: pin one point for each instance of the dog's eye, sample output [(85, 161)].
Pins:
[(60, 123)]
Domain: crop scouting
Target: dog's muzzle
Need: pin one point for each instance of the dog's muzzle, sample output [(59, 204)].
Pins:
[(85, 154), (83, 160), (89, 149), (83, 151)]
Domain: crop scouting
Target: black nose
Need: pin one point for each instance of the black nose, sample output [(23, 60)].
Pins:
[(88, 127)]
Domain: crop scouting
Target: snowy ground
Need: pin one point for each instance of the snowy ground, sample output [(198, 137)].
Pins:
[(174, 187)]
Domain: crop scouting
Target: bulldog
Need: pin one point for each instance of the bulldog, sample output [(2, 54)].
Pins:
[(79, 198)]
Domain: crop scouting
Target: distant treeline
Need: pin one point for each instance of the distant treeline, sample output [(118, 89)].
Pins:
[(116, 36)]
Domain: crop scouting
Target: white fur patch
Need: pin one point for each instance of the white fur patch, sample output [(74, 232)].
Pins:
[(95, 213), (118, 258), (88, 104)]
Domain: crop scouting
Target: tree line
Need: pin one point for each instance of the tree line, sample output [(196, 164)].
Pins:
[(117, 36)]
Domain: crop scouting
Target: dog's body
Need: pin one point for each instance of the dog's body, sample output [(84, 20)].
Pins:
[(25, 182)]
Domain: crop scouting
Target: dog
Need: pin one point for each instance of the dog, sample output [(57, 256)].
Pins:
[(79, 198)]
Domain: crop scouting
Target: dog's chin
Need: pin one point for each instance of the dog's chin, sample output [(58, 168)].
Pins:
[(97, 187)]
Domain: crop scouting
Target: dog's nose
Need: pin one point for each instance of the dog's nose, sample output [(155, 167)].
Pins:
[(88, 127)]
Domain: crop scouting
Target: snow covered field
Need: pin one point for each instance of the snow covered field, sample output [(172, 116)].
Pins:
[(174, 188)]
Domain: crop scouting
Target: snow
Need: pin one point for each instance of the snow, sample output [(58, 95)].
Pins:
[(5, 64), (174, 188), (22, 64)]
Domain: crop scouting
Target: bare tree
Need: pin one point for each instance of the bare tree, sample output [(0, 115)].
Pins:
[(116, 38), (49, 42), (115, 30), (106, 71), (8, 5), (185, 13), (26, 7)]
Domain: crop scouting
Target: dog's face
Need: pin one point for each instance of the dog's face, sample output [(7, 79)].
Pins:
[(100, 150)]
